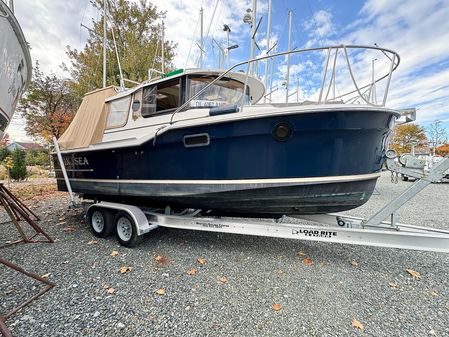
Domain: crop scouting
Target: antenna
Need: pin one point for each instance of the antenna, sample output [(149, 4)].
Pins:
[(105, 15), (122, 83)]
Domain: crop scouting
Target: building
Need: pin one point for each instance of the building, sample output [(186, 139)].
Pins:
[(24, 146)]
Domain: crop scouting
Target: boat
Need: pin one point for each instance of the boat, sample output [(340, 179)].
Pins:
[(15, 61), (202, 139)]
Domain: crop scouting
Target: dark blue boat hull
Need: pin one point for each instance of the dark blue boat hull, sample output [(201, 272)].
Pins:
[(244, 169)]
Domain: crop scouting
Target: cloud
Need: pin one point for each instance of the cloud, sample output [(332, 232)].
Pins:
[(419, 31), (49, 29)]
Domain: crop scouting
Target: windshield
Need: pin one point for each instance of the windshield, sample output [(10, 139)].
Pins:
[(223, 92)]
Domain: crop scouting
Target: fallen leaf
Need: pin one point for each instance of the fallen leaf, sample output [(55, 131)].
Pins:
[(277, 307), (191, 272), (301, 253), (413, 273), (223, 279), (92, 242), (111, 290), (434, 293), (308, 262), (160, 291), (114, 253), (393, 285), (69, 229), (356, 324), (201, 261), (162, 260), (354, 263), (125, 269), (46, 275)]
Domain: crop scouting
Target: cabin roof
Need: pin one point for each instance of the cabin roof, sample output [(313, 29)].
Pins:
[(257, 89)]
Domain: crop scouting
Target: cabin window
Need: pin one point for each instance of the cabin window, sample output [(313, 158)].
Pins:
[(137, 105), (118, 112), (149, 101), (160, 98), (223, 92)]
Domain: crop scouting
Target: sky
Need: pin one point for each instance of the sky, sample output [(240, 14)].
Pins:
[(417, 30)]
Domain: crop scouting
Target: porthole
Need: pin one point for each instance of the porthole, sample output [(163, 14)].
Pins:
[(282, 131)]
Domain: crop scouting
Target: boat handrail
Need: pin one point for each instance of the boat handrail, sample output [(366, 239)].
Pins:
[(394, 63)]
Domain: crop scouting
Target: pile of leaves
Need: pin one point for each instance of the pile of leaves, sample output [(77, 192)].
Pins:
[(35, 192)]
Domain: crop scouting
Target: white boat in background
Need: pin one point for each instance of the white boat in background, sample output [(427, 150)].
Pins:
[(15, 64)]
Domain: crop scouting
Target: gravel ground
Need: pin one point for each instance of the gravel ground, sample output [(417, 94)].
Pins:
[(233, 293)]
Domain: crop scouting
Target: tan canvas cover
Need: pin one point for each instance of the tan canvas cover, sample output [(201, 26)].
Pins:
[(90, 121)]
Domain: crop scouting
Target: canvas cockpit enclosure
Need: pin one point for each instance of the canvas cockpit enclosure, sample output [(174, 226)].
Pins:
[(88, 126)]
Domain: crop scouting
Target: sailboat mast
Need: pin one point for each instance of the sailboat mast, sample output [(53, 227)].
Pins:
[(163, 52), (104, 40), (288, 55), (253, 31), (202, 38), (268, 48)]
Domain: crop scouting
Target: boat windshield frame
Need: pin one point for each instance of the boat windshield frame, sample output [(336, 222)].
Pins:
[(358, 90), (224, 94)]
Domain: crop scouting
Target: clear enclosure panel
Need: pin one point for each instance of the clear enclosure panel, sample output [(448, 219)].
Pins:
[(223, 92)]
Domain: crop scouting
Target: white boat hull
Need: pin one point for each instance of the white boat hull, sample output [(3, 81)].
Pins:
[(15, 65)]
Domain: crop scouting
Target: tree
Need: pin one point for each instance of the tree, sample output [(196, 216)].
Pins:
[(138, 39), (442, 150), (406, 136), (37, 157), (8, 163), (437, 134), (5, 139), (19, 170), (48, 107), (3, 143)]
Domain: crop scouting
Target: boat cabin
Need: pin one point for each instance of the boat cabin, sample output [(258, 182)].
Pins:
[(106, 115), (167, 94)]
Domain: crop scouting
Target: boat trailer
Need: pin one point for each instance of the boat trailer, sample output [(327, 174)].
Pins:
[(130, 222)]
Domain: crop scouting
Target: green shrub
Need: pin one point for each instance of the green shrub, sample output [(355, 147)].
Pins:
[(37, 157), (19, 169), (3, 153)]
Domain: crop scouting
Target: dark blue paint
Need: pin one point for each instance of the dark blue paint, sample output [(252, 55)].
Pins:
[(323, 144)]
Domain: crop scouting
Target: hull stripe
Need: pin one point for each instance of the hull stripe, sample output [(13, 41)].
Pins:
[(311, 180)]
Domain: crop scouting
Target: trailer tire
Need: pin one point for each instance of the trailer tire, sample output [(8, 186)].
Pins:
[(126, 230), (100, 221)]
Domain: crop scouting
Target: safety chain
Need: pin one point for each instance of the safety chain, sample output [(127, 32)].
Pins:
[(394, 177)]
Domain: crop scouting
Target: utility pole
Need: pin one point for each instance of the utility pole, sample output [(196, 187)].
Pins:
[(105, 15), (268, 48), (288, 55)]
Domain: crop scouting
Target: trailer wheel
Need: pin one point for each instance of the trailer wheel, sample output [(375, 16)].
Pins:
[(126, 230), (100, 222)]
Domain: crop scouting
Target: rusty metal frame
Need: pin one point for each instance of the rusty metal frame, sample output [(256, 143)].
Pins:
[(3, 329), (18, 211)]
